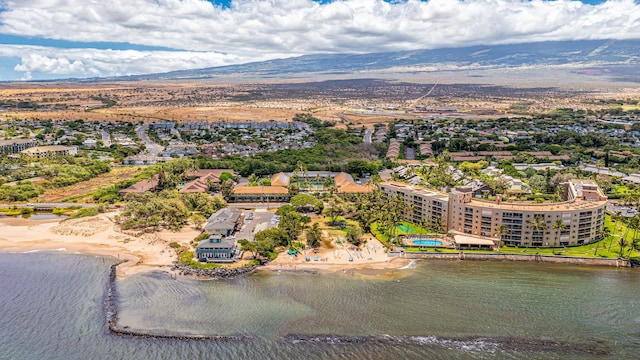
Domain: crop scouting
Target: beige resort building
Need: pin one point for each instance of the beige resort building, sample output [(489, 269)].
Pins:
[(582, 213)]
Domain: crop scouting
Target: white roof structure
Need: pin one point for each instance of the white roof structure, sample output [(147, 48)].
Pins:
[(472, 240)]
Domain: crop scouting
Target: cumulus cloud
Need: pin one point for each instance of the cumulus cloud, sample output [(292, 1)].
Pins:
[(95, 62), (262, 28)]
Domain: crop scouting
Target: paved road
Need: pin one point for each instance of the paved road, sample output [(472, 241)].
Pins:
[(367, 136), (106, 138), (152, 148), (46, 205)]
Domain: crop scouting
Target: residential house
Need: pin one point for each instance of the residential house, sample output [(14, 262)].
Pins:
[(217, 249), (223, 222)]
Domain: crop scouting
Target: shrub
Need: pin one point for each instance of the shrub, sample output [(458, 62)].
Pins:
[(92, 211)]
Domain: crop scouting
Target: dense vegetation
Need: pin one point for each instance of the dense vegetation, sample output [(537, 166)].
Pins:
[(335, 150), (168, 209)]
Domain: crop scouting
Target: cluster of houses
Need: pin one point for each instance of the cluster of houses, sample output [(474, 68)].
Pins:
[(247, 138), (200, 181)]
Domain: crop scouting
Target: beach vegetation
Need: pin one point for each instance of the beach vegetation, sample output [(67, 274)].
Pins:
[(85, 212), (314, 236), (187, 258)]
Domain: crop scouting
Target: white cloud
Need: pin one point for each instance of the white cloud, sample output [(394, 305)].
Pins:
[(275, 28), (94, 62)]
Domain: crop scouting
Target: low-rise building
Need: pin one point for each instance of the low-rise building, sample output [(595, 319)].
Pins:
[(260, 194), (223, 222), (50, 151), (217, 249), (142, 186)]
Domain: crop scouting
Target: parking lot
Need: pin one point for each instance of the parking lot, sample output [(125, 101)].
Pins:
[(626, 211), (262, 220)]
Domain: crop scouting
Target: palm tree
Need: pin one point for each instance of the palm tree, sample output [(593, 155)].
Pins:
[(616, 217), (537, 224), (502, 229), (622, 242), (604, 233), (633, 246), (559, 226), (375, 180), (632, 224), (314, 236)]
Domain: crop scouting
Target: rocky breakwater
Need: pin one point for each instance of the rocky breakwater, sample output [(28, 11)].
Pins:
[(111, 314), (217, 273)]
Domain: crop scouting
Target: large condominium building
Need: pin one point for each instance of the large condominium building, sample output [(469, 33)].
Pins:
[(15, 145), (578, 219), (428, 206)]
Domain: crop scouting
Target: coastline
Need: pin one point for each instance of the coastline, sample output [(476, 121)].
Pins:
[(100, 236), (97, 235)]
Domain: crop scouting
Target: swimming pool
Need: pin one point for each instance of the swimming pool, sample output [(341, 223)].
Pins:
[(426, 242)]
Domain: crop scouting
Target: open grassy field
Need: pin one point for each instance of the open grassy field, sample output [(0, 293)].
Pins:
[(82, 192)]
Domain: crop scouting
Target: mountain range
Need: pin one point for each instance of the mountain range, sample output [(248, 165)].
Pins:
[(590, 56)]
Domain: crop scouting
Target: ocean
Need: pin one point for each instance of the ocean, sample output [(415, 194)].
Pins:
[(52, 307)]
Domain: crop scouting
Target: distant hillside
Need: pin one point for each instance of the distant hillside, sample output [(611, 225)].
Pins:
[(584, 54)]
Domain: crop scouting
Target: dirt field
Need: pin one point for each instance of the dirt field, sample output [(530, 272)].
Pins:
[(331, 100), (86, 187)]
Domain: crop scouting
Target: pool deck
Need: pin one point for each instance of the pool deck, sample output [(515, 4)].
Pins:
[(446, 243)]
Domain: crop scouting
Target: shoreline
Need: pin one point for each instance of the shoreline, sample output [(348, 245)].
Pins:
[(99, 236)]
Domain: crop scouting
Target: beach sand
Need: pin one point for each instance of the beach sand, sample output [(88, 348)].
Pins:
[(96, 235), (99, 235), (372, 256)]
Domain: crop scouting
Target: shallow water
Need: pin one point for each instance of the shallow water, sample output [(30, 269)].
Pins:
[(52, 307)]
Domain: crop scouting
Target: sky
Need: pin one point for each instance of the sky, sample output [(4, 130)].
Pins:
[(53, 39)]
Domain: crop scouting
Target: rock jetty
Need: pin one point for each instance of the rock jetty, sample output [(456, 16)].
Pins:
[(217, 273)]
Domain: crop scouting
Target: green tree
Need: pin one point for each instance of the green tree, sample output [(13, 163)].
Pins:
[(226, 189), (252, 246), (198, 220), (354, 235), (538, 183), (285, 209), (225, 176), (559, 227), (633, 246), (501, 230), (622, 243), (335, 208), (314, 236), (292, 224), (302, 200), (253, 180), (265, 182)]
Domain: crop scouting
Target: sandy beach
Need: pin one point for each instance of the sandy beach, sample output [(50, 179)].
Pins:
[(343, 257), (100, 236), (96, 235)]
